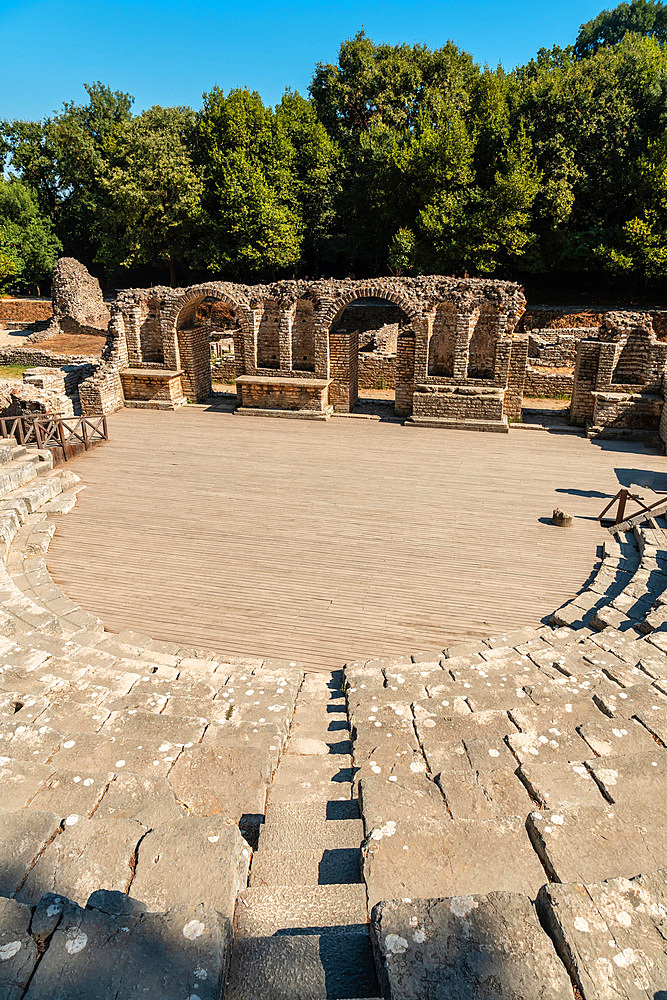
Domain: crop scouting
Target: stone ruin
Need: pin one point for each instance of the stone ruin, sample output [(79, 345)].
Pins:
[(458, 360), (78, 303)]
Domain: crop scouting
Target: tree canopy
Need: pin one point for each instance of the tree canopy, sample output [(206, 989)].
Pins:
[(401, 158)]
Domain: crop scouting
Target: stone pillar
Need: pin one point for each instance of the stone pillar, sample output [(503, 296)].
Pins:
[(133, 335), (321, 337), (516, 376), (609, 354), (170, 345), (285, 338), (343, 370), (503, 351), (405, 371), (422, 338), (585, 379), (465, 324), (250, 346)]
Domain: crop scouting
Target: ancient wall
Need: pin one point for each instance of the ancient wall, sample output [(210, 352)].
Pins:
[(547, 382), (25, 312), (442, 341), (376, 371)]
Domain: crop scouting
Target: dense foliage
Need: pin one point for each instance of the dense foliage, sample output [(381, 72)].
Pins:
[(402, 160)]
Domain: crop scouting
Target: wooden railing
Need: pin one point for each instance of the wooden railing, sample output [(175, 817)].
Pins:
[(67, 433)]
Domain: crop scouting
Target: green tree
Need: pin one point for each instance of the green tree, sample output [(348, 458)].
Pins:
[(642, 17), (253, 225), (150, 193), (28, 246)]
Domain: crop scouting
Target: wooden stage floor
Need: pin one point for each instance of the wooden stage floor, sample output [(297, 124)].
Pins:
[(323, 542)]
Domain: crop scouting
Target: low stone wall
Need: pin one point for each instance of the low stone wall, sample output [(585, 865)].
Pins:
[(224, 370), (623, 411), (103, 393), (42, 359), (547, 383), (25, 311), (457, 403), (261, 393), (377, 371), (150, 385)]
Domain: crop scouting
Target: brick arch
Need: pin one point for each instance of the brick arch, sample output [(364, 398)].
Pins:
[(192, 353), (334, 308)]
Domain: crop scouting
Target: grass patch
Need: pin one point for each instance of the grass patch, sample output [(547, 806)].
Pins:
[(13, 371)]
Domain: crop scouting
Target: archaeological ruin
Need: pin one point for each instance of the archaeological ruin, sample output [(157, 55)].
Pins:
[(309, 711)]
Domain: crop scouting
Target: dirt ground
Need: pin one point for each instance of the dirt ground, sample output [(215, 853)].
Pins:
[(64, 344)]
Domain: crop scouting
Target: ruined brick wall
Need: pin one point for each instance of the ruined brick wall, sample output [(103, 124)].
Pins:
[(195, 359), (376, 371), (343, 362), (516, 377), (288, 394), (457, 403), (621, 411), (405, 373), (547, 382)]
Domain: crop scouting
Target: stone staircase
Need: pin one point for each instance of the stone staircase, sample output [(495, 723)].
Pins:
[(484, 820)]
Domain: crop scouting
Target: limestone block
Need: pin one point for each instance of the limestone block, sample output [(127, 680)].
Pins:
[(633, 778), (466, 857), (560, 784), (590, 844), (191, 860), (135, 956), (23, 835), (611, 935), (230, 782), (71, 793), (18, 951), (147, 800), (86, 856), (20, 780), (151, 758), (490, 947), (611, 739)]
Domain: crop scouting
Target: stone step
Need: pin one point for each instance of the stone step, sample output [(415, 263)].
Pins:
[(265, 910), (313, 812), (293, 832), (329, 866), (310, 966)]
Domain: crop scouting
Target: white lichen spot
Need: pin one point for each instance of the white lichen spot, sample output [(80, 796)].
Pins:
[(625, 958), (77, 943), (8, 950), (607, 776), (120, 763), (193, 929), (72, 819), (581, 924), (624, 918), (395, 944), (68, 744), (201, 974), (494, 753), (418, 766), (557, 820), (88, 782), (461, 906), (213, 840), (419, 937)]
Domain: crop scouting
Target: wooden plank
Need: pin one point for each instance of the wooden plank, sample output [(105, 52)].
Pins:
[(321, 542)]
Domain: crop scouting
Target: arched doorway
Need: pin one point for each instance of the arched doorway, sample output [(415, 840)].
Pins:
[(209, 335), (371, 355)]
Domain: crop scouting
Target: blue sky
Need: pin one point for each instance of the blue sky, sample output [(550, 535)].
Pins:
[(169, 53)]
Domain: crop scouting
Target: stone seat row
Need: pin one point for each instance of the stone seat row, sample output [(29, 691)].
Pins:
[(507, 766)]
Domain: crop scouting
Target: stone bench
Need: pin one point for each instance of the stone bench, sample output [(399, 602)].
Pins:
[(274, 395), (478, 408), (152, 388)]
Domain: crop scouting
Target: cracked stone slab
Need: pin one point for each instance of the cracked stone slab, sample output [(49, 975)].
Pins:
[(149, 801), (34, 743), (227, 781), (18, 951), (191, 860), (613, 739), (484, 794), (171, 956), (23, 835), (71, 792), (548, 747), (611, 935), (86, 856), (464, 857), (632, 779), (145, 726), (70, 716), (490, 947), (560, 785), (532, 718), (416, 797), (20, 780), (590, 844), (150, 758)]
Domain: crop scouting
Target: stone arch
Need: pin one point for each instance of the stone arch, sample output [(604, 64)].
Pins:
[(341, 349), (190, 347)]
